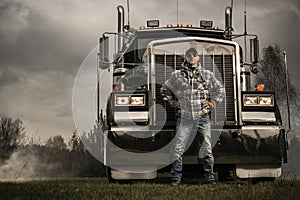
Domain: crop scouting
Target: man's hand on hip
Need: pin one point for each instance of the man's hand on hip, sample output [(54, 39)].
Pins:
[(208, 104), (175, 104)]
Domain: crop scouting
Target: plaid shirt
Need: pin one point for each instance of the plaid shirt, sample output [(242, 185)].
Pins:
[(191, 88)]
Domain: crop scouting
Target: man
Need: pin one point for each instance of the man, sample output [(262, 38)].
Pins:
[(188, 89)]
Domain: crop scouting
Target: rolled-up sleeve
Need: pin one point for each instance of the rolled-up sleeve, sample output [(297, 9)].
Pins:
[(218, 93), (168, 88)]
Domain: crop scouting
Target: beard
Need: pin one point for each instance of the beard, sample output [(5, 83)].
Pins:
[(192, 64)]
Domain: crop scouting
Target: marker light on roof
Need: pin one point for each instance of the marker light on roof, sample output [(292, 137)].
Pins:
[(153, 23), (206, 24)]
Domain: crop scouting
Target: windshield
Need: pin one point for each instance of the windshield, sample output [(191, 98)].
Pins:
[(177, 46)]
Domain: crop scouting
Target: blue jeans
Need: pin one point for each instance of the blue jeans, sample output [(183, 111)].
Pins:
[(186, 131)]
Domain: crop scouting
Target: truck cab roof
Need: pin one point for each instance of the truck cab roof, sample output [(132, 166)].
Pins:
[(180, 32)]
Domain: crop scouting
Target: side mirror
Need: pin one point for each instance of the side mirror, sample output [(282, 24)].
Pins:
[(103, 55), (254, 51)]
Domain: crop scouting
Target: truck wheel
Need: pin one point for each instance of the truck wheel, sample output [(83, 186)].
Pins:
[(110, 179)]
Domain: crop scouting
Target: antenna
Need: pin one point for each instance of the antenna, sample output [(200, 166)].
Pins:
[(287, 91), (245, 18), (245, 29), (128, 18), (177, 11)]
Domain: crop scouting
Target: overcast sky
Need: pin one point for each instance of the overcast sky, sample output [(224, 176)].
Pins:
[(43, 43)]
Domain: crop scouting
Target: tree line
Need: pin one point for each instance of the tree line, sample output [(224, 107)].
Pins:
[(55, 158)]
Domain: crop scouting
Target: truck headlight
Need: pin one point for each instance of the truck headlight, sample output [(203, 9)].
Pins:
[(138, 100), (266, 101), (122, 100), (250, 100)]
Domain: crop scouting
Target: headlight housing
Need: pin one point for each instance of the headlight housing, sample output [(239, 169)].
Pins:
[(258, 99), (258, 107)]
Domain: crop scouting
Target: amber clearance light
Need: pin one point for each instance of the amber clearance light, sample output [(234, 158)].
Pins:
[(260, 87)]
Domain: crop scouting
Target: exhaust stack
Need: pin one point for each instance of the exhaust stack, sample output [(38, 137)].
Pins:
[(120, 10), (228, 20), (254, 51)]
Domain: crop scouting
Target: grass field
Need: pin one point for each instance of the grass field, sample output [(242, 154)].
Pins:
[(100, 189)]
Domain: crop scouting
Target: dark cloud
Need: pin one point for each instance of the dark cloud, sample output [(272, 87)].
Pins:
[(7, 77), (189, 12), (38, 37), (42, 45)]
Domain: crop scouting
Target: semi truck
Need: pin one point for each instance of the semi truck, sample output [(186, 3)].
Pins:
[(138, 125)]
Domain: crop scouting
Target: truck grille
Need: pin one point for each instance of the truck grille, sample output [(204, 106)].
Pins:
[(221, 65)]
